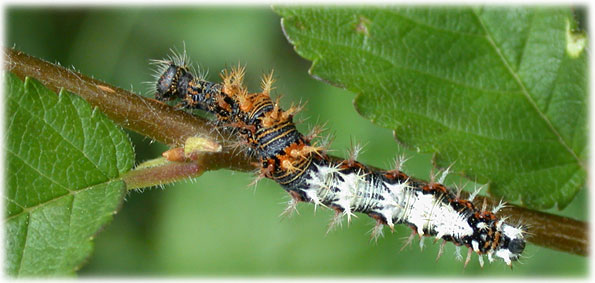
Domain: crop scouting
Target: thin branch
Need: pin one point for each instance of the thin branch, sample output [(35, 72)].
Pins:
[(146, 116), (166, 125)]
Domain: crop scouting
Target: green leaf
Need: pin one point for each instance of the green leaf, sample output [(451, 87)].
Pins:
[(500, 92), (64, 159)]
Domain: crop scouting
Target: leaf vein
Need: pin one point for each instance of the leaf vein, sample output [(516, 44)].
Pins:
[(58, 133), (36, 169), (526, 94), (431, 26), (25, 244), (26, 210), (395, 65), (455, 128)]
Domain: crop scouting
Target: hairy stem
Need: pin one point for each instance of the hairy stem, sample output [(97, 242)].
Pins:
[(146, 116), (166, 125)]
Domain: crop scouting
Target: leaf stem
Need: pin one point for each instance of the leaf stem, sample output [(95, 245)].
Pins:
[(163, 123), (165, 173)]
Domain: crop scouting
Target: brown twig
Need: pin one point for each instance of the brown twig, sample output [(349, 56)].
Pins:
[(162, 123), (146, 116)]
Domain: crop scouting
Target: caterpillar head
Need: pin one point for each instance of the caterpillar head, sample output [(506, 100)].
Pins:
[(511, 244), (494, 237), (173, 82)]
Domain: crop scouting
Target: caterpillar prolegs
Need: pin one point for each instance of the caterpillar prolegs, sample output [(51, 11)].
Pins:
[(308, 174)]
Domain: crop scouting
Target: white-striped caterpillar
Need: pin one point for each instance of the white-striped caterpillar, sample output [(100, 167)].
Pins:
[(308, 174)]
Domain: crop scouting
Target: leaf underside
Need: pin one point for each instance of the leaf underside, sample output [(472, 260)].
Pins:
[(63, 163), (499, 92)]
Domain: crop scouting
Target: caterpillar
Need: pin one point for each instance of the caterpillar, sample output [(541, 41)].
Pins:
[(308, 174)]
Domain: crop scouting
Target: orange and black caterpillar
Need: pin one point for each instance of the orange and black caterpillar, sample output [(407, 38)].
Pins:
[(308, 174)]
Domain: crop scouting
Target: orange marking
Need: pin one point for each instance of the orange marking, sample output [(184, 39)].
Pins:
[(221, 102), (269, 169), (439, 187), (496, 240), (175, 154), (377, 217), (106, 88), (294, 195), (396, 174)]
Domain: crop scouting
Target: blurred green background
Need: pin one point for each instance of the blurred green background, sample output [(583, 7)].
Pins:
[(216, 225)]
